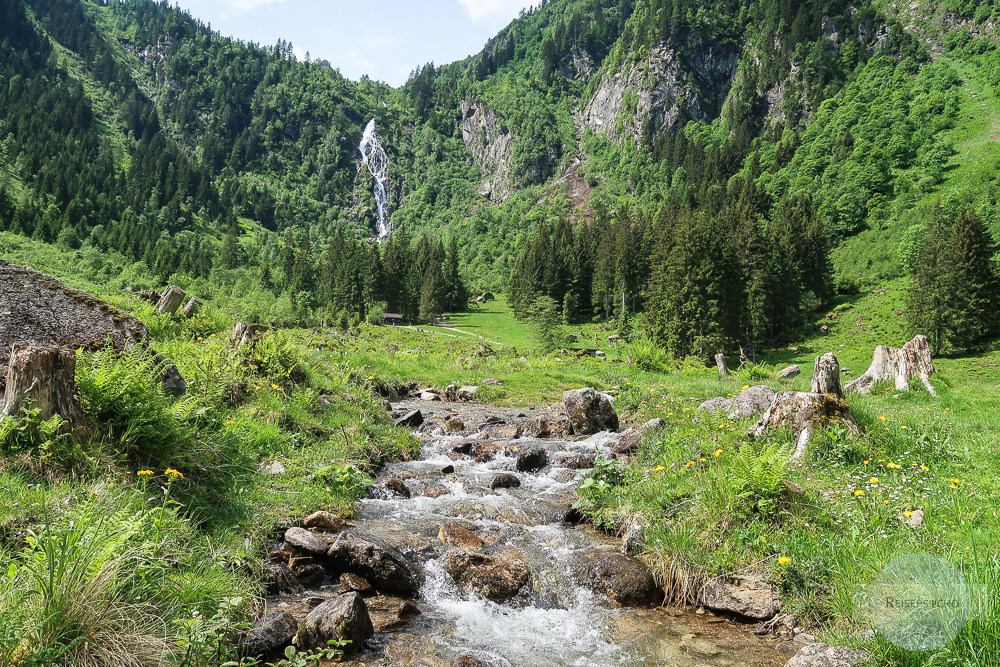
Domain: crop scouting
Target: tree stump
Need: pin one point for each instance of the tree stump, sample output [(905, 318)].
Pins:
[(899, 365), (826, 375), (806, 412), (43, 378), (192, 307), (243, 332), (720, 362), (170, 301)]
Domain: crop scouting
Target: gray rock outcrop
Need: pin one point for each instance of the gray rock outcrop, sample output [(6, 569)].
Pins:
[(747, 596), (821, 655), (375, 560)]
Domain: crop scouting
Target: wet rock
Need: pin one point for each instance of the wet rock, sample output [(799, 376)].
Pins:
[(821, 655), (463, 447), (454, 534), (270, 635), (306, 542), (391, 488), (411, 419), (467, 393), (549, 427), (407, 610), (375, 560), (480, 659), (626, 580), (531, 459), (501, 432), (589, 412), (634, 539), (454, 425), (343, 617), (574, 460), (309, 574), (563, 476), (429, 396), (574, 516), (505, 481), (435, 492), (788, 372), (323, 521), (496, 578), (448, 470), (451, 392), (486, 451), (745, 595), (353, 582), (278, 578)]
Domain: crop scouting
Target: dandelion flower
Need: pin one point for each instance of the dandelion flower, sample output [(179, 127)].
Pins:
[(955, 480), (784, 561), (275, 387), (873, 480), (907, 513), (924, 468), (904, 427), (658, 469), (746, 386), (953, 486), (859, 492), (718, 453), (702, 459), (230, 422), (866, 462), (689, 464)]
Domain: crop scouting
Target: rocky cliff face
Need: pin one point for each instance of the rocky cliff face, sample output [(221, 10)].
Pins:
[(660, 92), (490, 142)]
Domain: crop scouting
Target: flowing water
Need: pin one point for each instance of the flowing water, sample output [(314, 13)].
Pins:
[(374, 157), (558, 622)]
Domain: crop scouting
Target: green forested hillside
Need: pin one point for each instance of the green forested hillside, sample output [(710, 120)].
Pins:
[(665, 143)]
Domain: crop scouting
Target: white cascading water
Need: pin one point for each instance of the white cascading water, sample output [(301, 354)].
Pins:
[(373, 156)]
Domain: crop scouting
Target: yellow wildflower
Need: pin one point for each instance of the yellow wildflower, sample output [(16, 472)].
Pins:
[(275, 387), (956, 480), (173, 474), (907, 513), (784, 561), (718, 453), (953, 486), (689, 464), (924, 468), (873, 480), (230, 422), (859, 492), (145, 473), (866, 462), (883, 418), (904, 427), (702, 459), (659, 468), (746, 386)]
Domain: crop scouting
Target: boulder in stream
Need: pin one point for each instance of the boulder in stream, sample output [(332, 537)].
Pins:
[(627, 581), (270, 635), (343, 617), (375, 560), (306, 542), (480, 659), (747, 596), (532, 459), (505, 481), (454, 534), (589, 412), (411, 419), (324, 521), (496, 578)]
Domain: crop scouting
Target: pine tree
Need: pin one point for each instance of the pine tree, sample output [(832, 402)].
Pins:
[(972, 281), (433, 292), (927, 297)]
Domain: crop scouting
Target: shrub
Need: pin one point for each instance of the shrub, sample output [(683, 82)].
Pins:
[(756, 372), (759, 474)]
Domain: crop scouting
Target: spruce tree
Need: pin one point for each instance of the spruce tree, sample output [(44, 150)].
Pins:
[(972, 281), (927, 297)]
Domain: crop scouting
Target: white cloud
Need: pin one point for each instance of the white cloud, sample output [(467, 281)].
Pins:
[(479, 10), (299, 53)]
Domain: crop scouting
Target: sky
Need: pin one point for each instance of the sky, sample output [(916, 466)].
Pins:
[(385, 39)]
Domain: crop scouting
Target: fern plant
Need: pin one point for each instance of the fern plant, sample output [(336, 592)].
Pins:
[(759, 475)]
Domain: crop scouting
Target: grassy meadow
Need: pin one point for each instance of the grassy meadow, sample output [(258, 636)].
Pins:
[(148, 538)]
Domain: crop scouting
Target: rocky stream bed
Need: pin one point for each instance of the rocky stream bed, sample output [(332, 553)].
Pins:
[(465, 557)]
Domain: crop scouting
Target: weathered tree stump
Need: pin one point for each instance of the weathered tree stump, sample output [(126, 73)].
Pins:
[(806, 412), (720, 362), (826, 375), (43, 378), (192, 307), (243, 332), (171, 300), (899, 365)]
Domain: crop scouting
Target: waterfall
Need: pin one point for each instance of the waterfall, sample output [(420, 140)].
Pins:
[(373, 156)]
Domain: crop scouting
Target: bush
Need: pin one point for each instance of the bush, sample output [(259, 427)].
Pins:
[(759, 476)]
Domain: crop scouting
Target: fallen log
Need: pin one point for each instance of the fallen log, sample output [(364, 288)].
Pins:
[(806, 412), (899, 365), (43, 378), (244, 332)]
